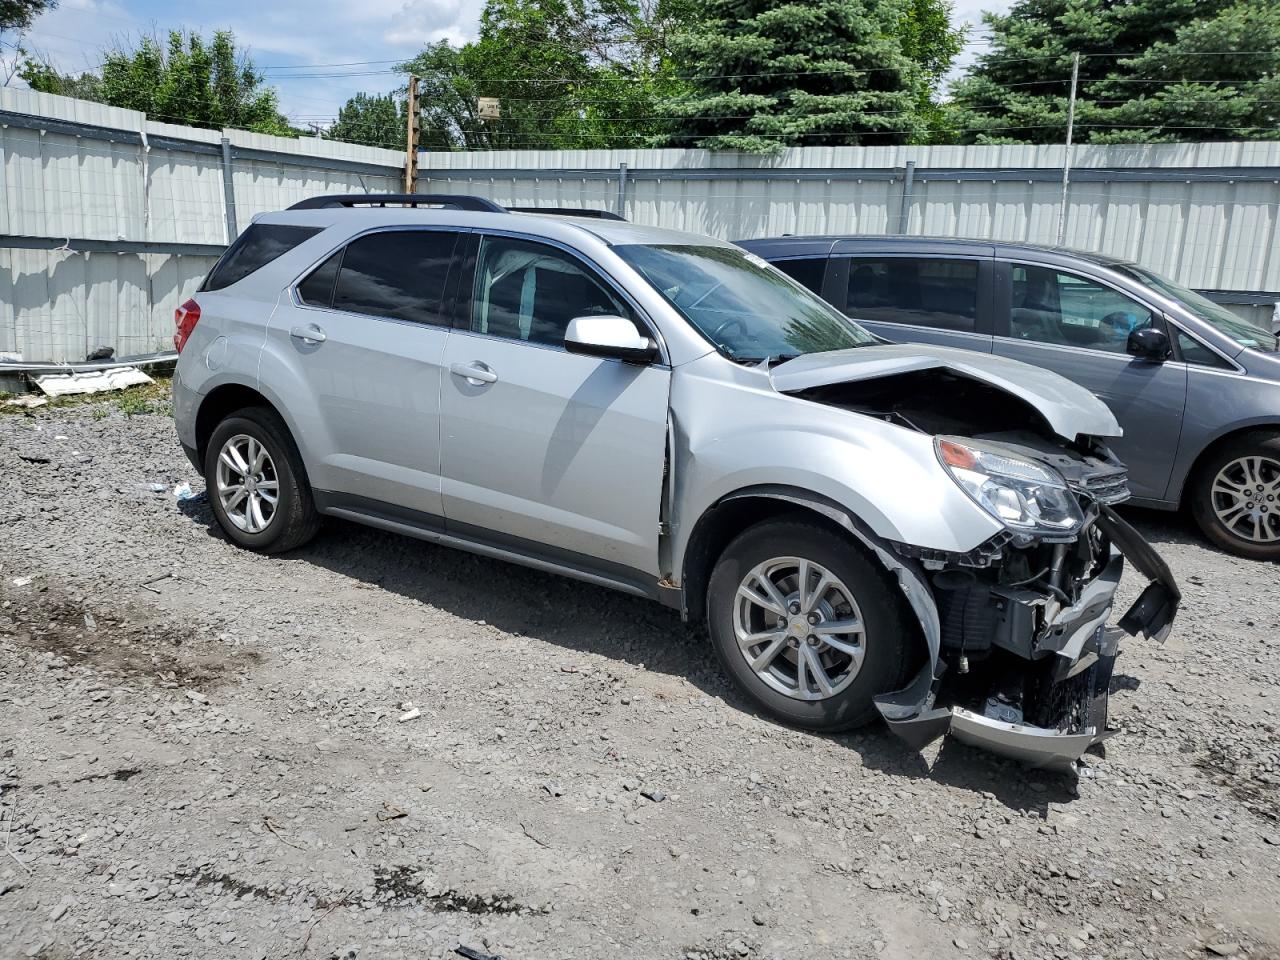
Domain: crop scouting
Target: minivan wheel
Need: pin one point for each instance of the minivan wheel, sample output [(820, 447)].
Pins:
[(256, 483), (1236, 496), (807, 625)]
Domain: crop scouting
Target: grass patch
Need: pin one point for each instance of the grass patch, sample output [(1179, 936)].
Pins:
[(146, 398)]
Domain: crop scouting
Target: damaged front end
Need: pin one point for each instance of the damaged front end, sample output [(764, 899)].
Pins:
[(1020, 654), (1024, 663)]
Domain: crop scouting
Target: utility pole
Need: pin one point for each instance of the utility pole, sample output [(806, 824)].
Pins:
[(411, 139), (1066, 159)]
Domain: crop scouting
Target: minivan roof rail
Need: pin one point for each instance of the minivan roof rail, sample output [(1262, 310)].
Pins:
[(570, 212), (451, 200)]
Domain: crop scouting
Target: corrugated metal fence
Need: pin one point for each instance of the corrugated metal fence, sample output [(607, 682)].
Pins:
[(109, 220), (1204, 214)]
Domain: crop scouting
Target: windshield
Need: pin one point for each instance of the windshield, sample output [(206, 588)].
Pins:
[(1233, 325), (748, 309)]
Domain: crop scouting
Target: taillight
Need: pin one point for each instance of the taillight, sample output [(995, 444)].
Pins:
[(185, 319)]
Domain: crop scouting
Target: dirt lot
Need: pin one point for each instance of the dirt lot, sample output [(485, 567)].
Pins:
[(202, 753)]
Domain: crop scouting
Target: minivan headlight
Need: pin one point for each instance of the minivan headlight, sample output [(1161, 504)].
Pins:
[(1025, 496)]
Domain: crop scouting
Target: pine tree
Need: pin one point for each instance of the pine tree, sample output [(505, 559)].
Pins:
[(1150, 70), (828, 72)]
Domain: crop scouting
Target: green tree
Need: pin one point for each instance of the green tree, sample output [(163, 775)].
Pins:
[(373, 120), (932, 43), (566, 73), (186, 81), (18, 14), (825, 72), (1150, 70)]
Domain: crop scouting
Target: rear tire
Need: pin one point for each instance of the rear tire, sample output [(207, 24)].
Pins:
[(817, 628), (1235, 496), (251, 458)]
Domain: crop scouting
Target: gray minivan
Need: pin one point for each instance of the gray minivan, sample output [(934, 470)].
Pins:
[(1195, 387)]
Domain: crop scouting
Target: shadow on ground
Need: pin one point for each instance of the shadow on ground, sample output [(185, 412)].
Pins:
[(590, 619)]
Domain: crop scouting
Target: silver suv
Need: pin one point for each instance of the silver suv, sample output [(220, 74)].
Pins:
[(909, 531)]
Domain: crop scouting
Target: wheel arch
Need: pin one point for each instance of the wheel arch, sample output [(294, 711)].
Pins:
[(222, 401), (737, 511), (1206, 453)]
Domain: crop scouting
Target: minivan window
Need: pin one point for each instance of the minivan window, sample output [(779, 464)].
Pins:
[(398, 274), (806, 271), (924, 292), (254, 249), (1049, 306), (1233, 325), (530, 291), (747, 309)]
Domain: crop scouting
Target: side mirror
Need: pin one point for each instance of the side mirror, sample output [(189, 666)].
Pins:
[(608, 336), (1148, 344)]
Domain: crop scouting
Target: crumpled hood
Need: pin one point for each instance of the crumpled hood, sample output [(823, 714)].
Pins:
[(1069, 408)]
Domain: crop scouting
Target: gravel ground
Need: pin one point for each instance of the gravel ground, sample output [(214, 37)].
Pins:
[(374, 747)]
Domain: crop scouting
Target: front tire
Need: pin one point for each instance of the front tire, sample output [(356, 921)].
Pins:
[(807, 625), (257, 484), (1235, 497)]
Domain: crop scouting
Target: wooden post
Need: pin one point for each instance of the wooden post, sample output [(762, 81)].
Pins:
[(411, 140)]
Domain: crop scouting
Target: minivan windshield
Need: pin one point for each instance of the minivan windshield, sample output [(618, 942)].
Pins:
[(1233, 325), (749, 310)]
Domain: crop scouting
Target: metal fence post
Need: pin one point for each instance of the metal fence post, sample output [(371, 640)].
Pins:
[(622, 190), (904, 205), (229, 191)]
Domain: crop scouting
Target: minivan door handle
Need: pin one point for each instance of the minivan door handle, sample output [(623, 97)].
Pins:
[(474, 372), (308, 334)]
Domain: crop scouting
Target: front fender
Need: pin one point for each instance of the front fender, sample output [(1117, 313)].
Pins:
[(732, 431), (908, 573)]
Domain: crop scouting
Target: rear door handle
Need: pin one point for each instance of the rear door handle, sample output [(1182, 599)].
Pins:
[(473, 372), (308, 334)]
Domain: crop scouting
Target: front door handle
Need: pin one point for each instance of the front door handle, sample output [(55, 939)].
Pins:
[(309, 334), (473, 372)]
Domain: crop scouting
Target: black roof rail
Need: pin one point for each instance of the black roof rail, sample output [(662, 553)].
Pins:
[(570, 212), (451, 200)]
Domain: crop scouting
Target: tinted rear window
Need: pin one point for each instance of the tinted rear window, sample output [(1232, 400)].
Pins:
[(927, 293), (317, 289), (256, 247), (806, 271), (399, 274)]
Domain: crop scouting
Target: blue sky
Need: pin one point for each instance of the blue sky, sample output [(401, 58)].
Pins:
[(284, 36)]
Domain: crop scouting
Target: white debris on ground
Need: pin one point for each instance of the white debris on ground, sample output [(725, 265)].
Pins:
[(90, 381), (377, 748)]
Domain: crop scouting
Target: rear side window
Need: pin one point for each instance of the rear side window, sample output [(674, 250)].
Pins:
[(317, 289), (927, 293), (806, 271), (399, 274), (254, 249)]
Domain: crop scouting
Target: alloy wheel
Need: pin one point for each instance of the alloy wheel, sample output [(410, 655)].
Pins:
[(799, 628), (1246, 498), (247, 485)]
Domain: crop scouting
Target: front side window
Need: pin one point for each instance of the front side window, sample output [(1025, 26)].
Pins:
[(1233, 325), (530, 291), (397, 274), (1195, 352), (1049, 306), (749, 310), (923, 292), (254, 249)]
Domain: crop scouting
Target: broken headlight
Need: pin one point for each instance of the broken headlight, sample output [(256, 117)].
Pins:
[(1025, 496)]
